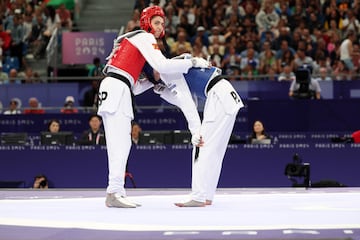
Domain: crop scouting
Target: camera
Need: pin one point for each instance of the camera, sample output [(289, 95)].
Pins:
[(298, 169), (43, 183)]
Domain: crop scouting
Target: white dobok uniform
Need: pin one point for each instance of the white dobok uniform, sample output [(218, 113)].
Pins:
[(221, 107), (123, 68)]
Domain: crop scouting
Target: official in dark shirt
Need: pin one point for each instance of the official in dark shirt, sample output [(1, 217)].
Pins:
[(95, 135)]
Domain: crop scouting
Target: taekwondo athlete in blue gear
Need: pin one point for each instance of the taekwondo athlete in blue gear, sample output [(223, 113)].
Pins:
[(221, 107)]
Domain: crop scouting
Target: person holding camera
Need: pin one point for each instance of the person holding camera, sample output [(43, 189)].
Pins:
[(41, 182)]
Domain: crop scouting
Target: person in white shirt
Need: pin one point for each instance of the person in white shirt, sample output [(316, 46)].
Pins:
[(13, 107)]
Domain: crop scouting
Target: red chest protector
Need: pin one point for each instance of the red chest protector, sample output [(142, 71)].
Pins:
[(128, 58)]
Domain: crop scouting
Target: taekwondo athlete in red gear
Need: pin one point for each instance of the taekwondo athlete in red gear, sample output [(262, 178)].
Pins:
[(221, 107), (129, 54)]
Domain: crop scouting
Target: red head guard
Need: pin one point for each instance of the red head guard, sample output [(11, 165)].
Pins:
[(147, 14)]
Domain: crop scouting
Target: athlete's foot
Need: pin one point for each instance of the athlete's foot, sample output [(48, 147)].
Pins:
[(191, 203), (117, 201), (208, 202)]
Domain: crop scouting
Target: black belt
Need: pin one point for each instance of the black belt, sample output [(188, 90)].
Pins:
[(214, 81), (127, 82), (120, 77)]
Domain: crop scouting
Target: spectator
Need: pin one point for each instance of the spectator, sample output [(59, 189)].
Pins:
[(216, 56), (69, 107), (37, 38), (40, 182), (34, 107), (94, 135), (14, 106), (346, 51), (249, 58), (350, 23), (287, 59), (267, 58), (267, 18), (14, 77), (29, 76), (323, 75), (341, 72), (134, 21), (96, 69), (52, 21), (287, 74), (302, 60), (65, 17), (259, 134), (17, 36), (91, 96), (4, 77), (231, 61), (215, 33), (249, 72), (202, 35), (5, 38), (181, 45), (356, 57)]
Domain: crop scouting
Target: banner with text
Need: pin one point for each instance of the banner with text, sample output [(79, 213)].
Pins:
[(83, 47)]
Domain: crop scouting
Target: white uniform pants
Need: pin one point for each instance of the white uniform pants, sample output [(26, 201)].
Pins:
[(221, 108), (115, 107)]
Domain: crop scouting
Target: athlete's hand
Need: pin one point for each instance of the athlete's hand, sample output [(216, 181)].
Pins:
[(158, 88), (198, 62), (197, 140)]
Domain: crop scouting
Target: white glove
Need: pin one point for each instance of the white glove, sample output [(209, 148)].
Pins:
[(196, 139), (198, 62)]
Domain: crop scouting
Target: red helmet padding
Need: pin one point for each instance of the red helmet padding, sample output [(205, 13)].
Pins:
[(356, 136), (147, 14)]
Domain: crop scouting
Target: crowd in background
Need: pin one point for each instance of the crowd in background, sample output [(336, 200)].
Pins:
[(268, 39), (247, 39), (26, 27)]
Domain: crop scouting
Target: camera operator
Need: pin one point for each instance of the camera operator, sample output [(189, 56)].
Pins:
[(41, 182)]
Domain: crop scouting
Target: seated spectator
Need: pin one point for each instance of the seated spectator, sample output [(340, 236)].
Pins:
[(301, 59), (249, 58), (231, 61), (181, 45), (287, 74), (41, 182), (34, 107), (14, 106), (14, 77), (249, 72), (65, 17), (323, 75), (4, 77), (29, 76), (94, 135), (267, 18), (259, 134), (69, 106), (37, 38)]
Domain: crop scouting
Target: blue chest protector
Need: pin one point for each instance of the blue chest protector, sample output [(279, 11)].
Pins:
[(199, 78)]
